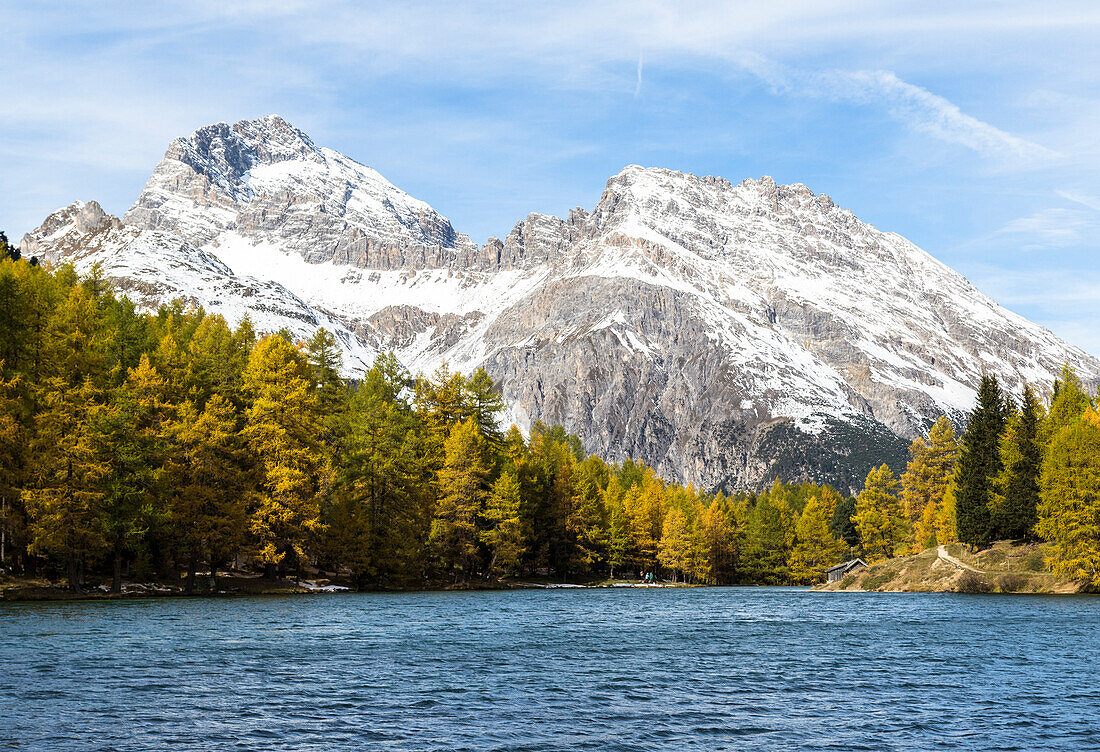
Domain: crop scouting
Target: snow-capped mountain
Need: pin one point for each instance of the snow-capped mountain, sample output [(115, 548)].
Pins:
[(153, 267), (266, 180), (726, 334)]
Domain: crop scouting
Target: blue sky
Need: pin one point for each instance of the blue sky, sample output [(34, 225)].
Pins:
[(970, 128)]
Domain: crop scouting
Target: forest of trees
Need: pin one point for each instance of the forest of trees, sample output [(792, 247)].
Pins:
[(158, 446), (171, 444), (1022, 471)]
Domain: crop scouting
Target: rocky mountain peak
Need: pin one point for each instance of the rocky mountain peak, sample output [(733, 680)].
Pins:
[(264, 182), (225, 153), (78, 218)]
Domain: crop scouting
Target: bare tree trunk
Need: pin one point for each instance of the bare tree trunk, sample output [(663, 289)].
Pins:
[(192, 565), (116, 574), (4, 530), (213, 573), (74, 585)]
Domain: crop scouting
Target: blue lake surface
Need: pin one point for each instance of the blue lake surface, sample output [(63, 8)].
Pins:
[(684, 669)]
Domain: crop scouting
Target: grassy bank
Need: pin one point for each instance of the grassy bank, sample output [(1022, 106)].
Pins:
[(1002, 568)]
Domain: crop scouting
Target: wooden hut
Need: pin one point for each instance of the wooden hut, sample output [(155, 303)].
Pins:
[(840, 571)]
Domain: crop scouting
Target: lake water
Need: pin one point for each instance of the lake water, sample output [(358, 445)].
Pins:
[(723, 668)]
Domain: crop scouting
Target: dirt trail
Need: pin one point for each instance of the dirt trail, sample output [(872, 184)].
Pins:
[(942, 551)]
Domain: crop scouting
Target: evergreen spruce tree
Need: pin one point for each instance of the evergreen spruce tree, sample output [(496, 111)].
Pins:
[(979, 463), (842, 525), (486, 405), (588, 522), (385, 484), (214, 363), (1016, 488), (325, 361), (770, 538), (8, 252), (138, 440), (559, 468)]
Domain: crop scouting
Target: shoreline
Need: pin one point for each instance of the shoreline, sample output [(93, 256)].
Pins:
[(29, 591), (1003, 568)]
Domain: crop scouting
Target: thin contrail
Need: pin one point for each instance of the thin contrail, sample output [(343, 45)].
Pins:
[(638, 83)]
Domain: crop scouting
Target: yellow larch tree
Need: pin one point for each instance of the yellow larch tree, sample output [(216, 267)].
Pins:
[(924, 483), (1069, 497), (463, 487), (675, 548), (816, 547), (281, 433), (879, 516)]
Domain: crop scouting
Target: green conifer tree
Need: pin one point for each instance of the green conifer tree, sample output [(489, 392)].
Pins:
[(133, 492), (979, 463), (1016, 488), (770, 538), (485, 405), (816, 547)]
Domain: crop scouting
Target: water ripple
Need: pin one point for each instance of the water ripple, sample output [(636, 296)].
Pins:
[(744, 669)]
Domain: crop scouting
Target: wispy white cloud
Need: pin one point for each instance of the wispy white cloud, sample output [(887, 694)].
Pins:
[(934, 114), (1091, 202), (1050, 228), (906, 103)]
